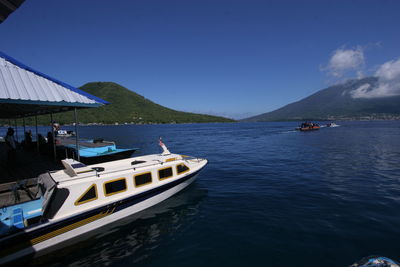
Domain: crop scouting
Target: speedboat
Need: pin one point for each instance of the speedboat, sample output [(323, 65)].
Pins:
[(308, 126), (92, 150), (65, 133), (332, 124), (61, 205)]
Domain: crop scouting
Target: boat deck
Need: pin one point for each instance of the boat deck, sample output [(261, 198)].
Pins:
[(15, 192)]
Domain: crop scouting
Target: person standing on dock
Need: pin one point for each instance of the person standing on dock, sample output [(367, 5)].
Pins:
[(11, 147)]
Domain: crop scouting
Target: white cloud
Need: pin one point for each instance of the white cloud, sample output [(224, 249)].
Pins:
[(389, 71), (361, 91), (344, 60), (360, 74), (388, 82)]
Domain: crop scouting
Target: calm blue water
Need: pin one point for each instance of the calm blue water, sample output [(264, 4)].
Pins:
[(269, 196)]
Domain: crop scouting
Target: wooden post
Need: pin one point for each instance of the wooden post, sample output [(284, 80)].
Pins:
[(76, 135)]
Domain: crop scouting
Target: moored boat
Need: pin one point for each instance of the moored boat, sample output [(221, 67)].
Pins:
[(92, 151), (68, 203)]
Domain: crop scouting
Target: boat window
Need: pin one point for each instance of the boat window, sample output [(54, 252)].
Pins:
[(181, 168), (164, 173), (137, 162), (142, 179), (115, 186), (89, 195)]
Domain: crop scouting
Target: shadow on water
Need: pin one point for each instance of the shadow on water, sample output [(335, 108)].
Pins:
[(133, 239)]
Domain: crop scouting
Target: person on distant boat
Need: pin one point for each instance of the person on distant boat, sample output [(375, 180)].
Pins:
[(11, 146)]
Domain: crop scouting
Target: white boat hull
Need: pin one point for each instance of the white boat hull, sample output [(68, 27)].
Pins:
[(58, 241)]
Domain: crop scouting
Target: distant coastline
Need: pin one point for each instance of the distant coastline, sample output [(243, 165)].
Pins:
[(110, 124), (367, 118)]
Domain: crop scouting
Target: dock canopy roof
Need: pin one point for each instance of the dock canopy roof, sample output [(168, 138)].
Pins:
[(26, 92), (7, 7)]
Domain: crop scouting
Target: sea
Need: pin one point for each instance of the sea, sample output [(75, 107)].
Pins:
[(269, 196)]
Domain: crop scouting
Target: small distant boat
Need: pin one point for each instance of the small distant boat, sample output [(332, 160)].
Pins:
[(308, 126), (332, 124), (93, 151), (65, 133)]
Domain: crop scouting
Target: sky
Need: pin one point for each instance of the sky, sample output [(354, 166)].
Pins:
[(230, 58)]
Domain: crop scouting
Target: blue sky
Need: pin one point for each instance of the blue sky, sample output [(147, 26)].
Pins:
[(230, 58)]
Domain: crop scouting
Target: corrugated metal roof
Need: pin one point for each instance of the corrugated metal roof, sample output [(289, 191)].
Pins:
[(20, 84), (7, 7)]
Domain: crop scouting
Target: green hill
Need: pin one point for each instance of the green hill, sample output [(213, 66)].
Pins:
[(336, 103), (128, 107)]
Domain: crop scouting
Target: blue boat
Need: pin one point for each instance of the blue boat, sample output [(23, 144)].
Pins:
[(92, 151)]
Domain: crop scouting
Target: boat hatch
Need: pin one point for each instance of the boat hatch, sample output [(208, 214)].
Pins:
[(73, 167)]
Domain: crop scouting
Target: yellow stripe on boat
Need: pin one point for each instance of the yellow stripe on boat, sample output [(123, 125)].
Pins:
[(70, 227)]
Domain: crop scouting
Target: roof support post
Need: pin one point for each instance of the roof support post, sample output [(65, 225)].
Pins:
[(37, 135), (54, 139), (76, 135), (16, 129), (23, 123)]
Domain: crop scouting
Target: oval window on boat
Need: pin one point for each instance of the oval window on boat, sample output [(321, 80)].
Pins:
[(181, 168), (115, 186), (165, 173), (89, 195), (142, 179), (137, 162)]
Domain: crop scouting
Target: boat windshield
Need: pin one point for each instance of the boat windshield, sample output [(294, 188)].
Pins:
[(46, 187)]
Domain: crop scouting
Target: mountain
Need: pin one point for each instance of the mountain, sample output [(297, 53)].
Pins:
[(337, 103), (126, 107)]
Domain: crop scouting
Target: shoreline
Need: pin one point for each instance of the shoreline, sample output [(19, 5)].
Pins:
[(238, 121)]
